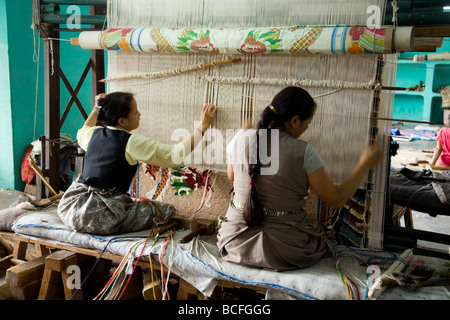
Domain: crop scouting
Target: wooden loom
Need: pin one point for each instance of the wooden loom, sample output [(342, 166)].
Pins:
[(50, 30), (149, 49), (401, 38)]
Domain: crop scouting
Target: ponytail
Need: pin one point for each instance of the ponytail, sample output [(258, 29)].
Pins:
[(253, 211)]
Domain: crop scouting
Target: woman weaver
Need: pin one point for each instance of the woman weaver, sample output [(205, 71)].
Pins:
[(266, 225)]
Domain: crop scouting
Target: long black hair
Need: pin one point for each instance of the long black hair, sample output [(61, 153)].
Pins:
[(112, 107), (289, 102)]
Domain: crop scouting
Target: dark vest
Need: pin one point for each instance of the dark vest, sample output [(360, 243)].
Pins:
[(105, 165)]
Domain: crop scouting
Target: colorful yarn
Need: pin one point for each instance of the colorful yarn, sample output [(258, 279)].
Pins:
[(349, 223)]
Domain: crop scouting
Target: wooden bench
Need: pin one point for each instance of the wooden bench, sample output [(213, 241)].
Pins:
[(68, 254)]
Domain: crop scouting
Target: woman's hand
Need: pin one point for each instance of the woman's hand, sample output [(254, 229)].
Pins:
[(100, 95), (208, 113), (371, 155), (337, 195)]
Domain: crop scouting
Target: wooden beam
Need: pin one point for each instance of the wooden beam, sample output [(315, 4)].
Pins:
[(73, 93), (52, 108), (98, 62), (436, 31), (25, 273)]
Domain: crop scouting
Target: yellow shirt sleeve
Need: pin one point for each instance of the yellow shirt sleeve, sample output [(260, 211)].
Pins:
[(84, 135), (141, 148), (151, 151)]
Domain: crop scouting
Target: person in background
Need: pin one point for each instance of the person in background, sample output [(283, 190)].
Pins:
[(266, 225), (98, 202), (441, 155)]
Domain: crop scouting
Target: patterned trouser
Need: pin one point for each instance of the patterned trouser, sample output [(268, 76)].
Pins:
[(96, 211)]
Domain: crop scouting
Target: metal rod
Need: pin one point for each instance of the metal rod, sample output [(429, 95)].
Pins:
[(408, 19), (420, 3), (393, 88), (50, 9), (77, 2), (417, 234), (402, 120), (52, 108), (63, 18), (38, 171)]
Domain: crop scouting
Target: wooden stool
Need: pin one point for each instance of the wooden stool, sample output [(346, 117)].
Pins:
[(56, 265)]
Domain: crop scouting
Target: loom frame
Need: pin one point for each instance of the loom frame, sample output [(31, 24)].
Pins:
[(436, 26), (52, 88)]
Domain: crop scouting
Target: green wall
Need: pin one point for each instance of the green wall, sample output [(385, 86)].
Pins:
[(7, 158), (425, 105), (18, 72)]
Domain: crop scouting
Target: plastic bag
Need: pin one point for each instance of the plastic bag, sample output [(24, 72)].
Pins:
[(10, 198)]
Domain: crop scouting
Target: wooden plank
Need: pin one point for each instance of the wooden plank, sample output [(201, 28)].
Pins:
[(231, 284), (20, 249), (98, 61), (5, 290), (28, 292), (60, 260), (48, 284), (436, 31), (118, 258), (25, 273), (5, 262), (72, 248), (69, 293)]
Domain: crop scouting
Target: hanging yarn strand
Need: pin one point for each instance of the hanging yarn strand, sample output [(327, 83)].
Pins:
[(167, 73)]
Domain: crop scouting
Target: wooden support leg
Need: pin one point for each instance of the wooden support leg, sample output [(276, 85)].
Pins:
[(69, 291), (48, 284), (25, 279), (56, 265), (132, 290), (41, 250), (151, 290), (20, 249)]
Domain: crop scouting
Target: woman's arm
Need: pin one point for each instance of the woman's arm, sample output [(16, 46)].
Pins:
[(337, 195), (436, 154), (230, 171), (91, 119)]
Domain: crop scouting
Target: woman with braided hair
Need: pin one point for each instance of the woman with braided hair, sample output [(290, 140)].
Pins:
[(266, 225), (98, 202)]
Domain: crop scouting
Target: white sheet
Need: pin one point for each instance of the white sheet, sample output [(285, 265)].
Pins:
[(199, 263)]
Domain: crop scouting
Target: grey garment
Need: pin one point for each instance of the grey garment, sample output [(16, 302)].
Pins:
[(96, 211), (277, 245), (9, 215)]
